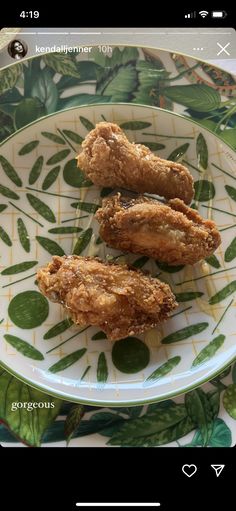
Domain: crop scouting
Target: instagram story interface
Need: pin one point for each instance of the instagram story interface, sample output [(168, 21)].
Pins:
[(117, 235)]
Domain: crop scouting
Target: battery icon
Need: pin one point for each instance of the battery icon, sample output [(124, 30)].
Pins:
[(219, 14)]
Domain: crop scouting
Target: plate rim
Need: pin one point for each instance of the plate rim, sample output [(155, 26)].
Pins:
[(43, 388), (111, 404)]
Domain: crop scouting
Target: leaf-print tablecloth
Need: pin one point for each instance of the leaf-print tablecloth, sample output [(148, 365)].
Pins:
[(42, 85), (49, 83)]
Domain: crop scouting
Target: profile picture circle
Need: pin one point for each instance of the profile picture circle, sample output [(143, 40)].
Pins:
[(17, 49)]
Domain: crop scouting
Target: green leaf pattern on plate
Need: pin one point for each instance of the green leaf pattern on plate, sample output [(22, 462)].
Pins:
[(23, 235), (223, 293), (27, 148), (209, 350), (4, 190), (85, 206), (36, 170), (213, 261), (75, 137), (154, 146), (10, 171), (205, 100), (98, 336), (231, 192), (53, 137), (58, 329), (41, 208), (188, 295), (73, 176), (83, 241), (22, 309), (23, 347), (204, 190), (70, 229), (51, 177), (67, 361), (130, 355), (4, 237), (230, 252), (86, 123), (185, 333), (202, 151), (61, 155), (18, 268), (50, 246), (102, 370), (162, 371), (135, 125), (177, 153)]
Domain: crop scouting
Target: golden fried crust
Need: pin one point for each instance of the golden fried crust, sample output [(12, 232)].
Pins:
[(120, 300), (109, 159), (171, 233)]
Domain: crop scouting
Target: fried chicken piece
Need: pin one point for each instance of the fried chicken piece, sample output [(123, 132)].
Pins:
[(109, 159), (172, 233), (121, 301)]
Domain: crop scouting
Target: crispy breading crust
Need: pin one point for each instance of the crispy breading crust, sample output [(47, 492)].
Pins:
[(109, 159), (171, 233), (120, 300)]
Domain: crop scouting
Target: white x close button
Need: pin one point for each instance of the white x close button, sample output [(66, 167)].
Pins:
[(223, 49)]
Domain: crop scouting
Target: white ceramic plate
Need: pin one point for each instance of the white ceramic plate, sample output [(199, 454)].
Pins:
[(40, 187)]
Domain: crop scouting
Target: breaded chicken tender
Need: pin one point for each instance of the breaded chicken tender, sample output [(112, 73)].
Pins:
[(171, 232), (109, 159), (120, 300)]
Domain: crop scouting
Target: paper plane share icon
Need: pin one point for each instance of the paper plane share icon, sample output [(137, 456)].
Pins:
[(218, 469)]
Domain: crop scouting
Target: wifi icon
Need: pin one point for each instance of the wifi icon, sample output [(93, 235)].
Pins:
[(203, 14)]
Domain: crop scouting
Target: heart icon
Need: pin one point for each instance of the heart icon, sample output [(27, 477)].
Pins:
[(189, 470)]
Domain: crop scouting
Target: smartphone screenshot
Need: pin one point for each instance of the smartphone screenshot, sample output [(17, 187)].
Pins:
[(118, 251)]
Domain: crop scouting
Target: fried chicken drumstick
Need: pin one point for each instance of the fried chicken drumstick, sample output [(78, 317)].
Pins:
[(172, 233), (121, 301), (109, 159)]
